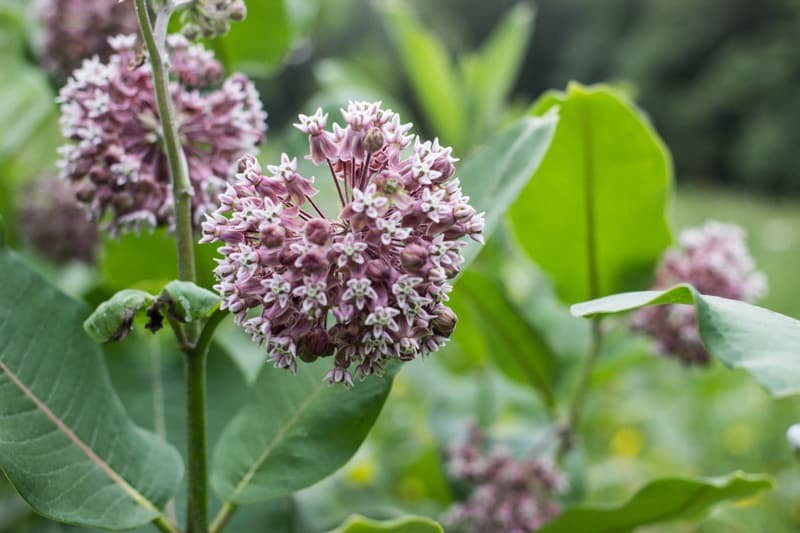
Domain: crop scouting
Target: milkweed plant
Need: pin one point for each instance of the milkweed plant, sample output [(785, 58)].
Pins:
[(339, 278)]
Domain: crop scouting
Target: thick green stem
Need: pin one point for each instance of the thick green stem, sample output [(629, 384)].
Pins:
[(154, 37), (196, 469), (181, 186)]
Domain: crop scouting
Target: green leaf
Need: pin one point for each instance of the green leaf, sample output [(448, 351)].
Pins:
[(662, 500), (294, 431), (490, 74), (764, 343), (68, 446), (26, 101), (593, 216), (519, 350), (113, 319), (494, 177), (3, 241), (430, 71), (187, 302), (407, 524), (258, 44)]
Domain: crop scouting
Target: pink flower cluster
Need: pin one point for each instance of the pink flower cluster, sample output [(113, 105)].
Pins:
[(116, 160), (509, 495), (369, 284), (78, 29), (715, 260)]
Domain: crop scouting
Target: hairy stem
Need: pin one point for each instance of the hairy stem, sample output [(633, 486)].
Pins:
[(154, 35), (181, 186), (196, 468)]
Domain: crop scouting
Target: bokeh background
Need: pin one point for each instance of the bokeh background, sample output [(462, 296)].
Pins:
[(720, 80)]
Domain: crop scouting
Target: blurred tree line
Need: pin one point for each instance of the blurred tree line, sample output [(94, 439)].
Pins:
[(719, 78)]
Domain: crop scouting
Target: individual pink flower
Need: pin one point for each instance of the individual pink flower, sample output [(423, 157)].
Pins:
[(75, 30), (715, 260), (116, 159), (508, 494), (367, 285)]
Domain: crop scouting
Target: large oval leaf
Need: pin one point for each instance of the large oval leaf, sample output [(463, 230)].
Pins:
[(293, 431), (764, 343), (662, 500), (593, 216), (495, 175), (65, 440)]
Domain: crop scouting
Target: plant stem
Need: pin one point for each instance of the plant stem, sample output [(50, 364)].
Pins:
[(196, 469), (581, 390), (223, 517), (181, 186), (197, 474)]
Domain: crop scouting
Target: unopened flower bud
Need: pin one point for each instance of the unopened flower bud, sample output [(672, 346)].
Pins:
[(377, 270), (319, 343), (445, 322), (238, 11), (318, 231), (373, 140), (413, 257), (273, 236)]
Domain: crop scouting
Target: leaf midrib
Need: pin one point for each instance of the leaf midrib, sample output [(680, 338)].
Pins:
[(248, 477), (134, 494)]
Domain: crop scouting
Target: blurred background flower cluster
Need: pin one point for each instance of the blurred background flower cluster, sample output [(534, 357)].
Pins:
[(720, 81)]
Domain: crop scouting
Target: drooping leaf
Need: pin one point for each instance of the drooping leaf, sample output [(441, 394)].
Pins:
[(495, 175), (764, 343), (113, 319), (407, 524), (188, 302), (258, 44), (593, 216), (428, 66), (68, 446), (518, 349), (662, 500), (294, 431)]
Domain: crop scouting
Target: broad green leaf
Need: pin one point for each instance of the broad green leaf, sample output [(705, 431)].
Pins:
[(490, 73), (430, 71), (3, 241), (258, 44), (68, 446), (494, 177), (26, 101), (148, 374), (593, 215), (188, 302), (293, 431), (113, 319), (517, 348), (407, 524), (764, 343), (662, 500)]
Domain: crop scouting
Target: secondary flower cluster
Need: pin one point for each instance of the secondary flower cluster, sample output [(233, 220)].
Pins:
[(54, 224), (715, 260), (368, 284), (210, 18), (510, 495), (78, 29), (117, 162)]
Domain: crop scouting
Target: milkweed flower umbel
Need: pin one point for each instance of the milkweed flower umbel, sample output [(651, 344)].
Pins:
[(367, 285), (116, 160), (78, 29), (715, 260), (508, 494)]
